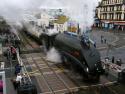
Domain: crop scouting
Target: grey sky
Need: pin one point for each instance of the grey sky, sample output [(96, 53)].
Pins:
[(13, 9)]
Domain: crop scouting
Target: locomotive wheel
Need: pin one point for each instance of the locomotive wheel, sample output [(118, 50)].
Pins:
[(85, 77), (44, 46), (66, 62), (97, 78), (91, 79)]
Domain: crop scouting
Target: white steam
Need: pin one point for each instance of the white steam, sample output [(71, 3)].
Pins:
[(53, 56), (51, 32), (12, 10), (81, 11), (52, 4)]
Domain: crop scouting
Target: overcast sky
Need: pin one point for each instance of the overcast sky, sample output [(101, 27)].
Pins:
[(80, 10)]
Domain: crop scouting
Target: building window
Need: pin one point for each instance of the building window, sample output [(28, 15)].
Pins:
[(124, 16), (112, 16), (120, 18), (104, 8), (119, 8), (111, 8), (112, 1), (108, 1), (106, 16), (116, 1)]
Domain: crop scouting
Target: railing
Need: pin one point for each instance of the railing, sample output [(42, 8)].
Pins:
[(24, 70), (112, 68)]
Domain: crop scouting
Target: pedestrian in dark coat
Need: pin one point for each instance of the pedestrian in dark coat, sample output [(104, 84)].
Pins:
[(95, 44), (102, 39), (17, 69), (113, 59), (105, 41)]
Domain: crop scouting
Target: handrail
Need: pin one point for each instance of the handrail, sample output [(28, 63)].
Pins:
[(24, 70)]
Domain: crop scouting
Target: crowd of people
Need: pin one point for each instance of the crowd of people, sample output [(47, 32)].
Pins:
[(113, 60), (118, 61), (18, 74), (11, 53)]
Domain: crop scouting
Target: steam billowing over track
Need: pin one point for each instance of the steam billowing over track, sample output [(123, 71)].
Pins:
[(76, 52), (68, 77)]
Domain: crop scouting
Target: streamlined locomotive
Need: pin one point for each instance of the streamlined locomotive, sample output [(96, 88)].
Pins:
[(77, 52)]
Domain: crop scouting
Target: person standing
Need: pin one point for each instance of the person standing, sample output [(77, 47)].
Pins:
[(95, 44), (105, 41), (13, 51), (113, 59), (17, 81), (101, 39), (120, 60), (17, 69), (19, 78)]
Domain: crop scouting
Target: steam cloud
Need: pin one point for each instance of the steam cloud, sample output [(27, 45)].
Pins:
[(79, 10), (12, 10), (53, 56), (82, 11)]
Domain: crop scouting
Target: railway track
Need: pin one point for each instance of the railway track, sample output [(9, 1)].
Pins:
[(52, 83), (27, 44), (51, 78)]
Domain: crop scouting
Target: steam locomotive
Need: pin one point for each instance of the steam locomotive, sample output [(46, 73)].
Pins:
[(77, 52)]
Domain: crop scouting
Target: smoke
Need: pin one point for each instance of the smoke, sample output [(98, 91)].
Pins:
[(81, 11), (12, 10), (53, 4), (51, 32), (53, 56)]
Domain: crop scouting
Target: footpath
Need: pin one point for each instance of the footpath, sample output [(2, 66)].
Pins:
[(114, 39)]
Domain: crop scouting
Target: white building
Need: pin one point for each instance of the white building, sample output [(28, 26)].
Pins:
[(45, 19), (31, 23), (59, 21), (36, 23)]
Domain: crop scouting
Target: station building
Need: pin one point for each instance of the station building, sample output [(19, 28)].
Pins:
[(110, 14)]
